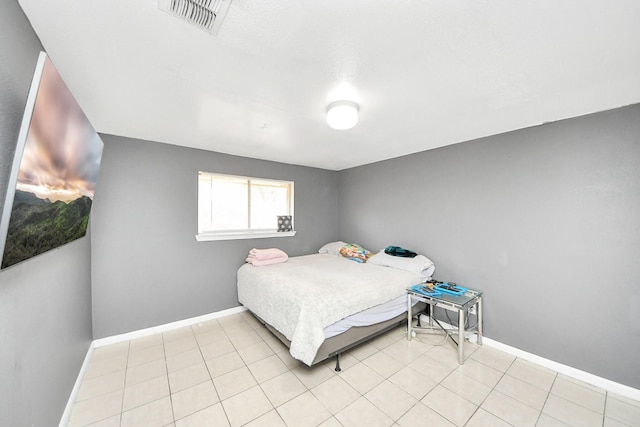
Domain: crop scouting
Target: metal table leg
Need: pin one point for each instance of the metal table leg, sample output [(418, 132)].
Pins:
[(409, 316), (460, 336)]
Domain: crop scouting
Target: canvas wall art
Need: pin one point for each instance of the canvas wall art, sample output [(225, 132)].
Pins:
[(54, 172)]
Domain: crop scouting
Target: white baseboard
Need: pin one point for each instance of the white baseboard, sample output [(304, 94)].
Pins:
[(66, 415), (166, 327)]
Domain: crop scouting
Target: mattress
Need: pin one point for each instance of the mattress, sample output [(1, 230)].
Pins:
[(370, 316)]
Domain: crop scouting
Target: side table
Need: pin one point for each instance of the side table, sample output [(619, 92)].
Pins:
[(463, 304)]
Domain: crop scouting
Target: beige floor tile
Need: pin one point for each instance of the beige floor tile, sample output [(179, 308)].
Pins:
[(363, 413), (179, 345), (413, 382), (274, 343), (303, 410), (448, 404), (288, 360), (184, 359), (177, 334), (254, 352), (154, 414), (335, 394), (270, 419), (361, 378), (210, 337), (482, 418), (383, 364), (244, 339), (145, 392), (472, 390), (283, 388), (224, 364), (312, 376), (363, 351), (383, 341), (146, 371), (213, 416), (109, 422), (112, 350), (96, 409), (206, 326), (405, 351), (624, 399), (623, 410), (422, 415), (187, 377), (234, 382), (431, 368), (194, 399), (103, 384), (391, 399), (588, 397), (480, 372), (447, 354), (331, 422), (571, 413), (145, 342), (265, 369), (217, 349), (511, 410), (496, 359), (584, 384), (546, 421), (105, 366), (149, 354), (522, 391), (533, 374), (246, 406)]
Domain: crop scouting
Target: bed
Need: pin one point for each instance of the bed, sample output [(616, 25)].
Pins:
[(321, 305)]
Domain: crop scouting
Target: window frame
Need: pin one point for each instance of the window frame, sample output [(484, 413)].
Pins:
[(246, 233)]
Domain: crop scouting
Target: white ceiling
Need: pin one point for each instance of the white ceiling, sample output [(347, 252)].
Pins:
[(426, 73)]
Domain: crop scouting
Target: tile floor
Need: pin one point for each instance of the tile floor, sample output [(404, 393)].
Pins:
[(232, 371)]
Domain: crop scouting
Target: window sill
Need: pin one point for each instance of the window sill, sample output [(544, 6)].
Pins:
[(206, 237)]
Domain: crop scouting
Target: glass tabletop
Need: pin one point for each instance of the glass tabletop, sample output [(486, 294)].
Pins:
[(468, 297)]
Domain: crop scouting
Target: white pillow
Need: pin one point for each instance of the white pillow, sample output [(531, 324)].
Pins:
[(332, 248), (420, 264)]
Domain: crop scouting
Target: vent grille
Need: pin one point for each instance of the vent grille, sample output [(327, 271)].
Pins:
[(204, 14)]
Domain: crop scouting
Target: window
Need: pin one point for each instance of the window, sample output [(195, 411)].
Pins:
[(238, 207)]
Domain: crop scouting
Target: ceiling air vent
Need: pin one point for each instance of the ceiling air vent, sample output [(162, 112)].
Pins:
[(205, 14)]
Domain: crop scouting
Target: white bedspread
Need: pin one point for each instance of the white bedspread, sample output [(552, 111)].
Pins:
[(308, 293)]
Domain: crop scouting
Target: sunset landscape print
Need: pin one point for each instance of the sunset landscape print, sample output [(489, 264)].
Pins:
[(57, 174)]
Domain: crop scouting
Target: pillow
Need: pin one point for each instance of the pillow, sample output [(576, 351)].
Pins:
[(332, 248), (420, 264), (355, 252)]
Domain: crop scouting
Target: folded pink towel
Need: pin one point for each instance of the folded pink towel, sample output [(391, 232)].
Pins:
[(263, 254), (260, 262)]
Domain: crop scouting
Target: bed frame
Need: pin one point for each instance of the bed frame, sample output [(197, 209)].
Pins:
[(352, 337)]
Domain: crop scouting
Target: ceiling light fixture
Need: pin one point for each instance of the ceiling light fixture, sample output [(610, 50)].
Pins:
[(342, 114)]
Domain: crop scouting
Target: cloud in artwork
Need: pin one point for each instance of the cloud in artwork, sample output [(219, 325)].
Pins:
[(62, 153)]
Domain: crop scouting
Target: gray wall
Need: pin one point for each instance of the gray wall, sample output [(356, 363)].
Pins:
[(45, 303), (148, 269), (544, 220)]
